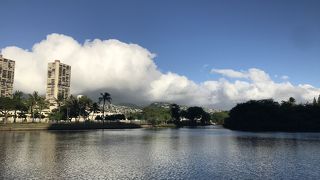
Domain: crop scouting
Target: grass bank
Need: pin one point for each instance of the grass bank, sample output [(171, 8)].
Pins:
[(24, 126), (66, 126), (158, 126), (92, 125)]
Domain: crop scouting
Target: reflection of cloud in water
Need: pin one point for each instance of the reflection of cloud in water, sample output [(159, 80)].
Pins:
[(159, 154)]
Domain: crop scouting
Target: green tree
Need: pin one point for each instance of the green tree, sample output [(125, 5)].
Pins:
[(136, 115), (23, 110), (18, 103), (42, 104), (6, 105), (60, 100), (156, 115), (55, 115), (219, 117), (104, 98), (32, 102), (71, 107)]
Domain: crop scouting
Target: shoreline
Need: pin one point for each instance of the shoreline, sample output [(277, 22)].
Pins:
[(24, 126), (79, 126), (76, 126), (66, 126)]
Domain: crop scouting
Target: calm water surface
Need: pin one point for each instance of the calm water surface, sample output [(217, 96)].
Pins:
[(210, 153)]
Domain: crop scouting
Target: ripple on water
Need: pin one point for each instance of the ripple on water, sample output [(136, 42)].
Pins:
[(159, 154)]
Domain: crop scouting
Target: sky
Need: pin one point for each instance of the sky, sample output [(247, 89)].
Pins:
[(202, 52)]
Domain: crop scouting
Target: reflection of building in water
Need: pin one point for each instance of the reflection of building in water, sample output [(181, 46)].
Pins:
[(58, 81), (6, 76)]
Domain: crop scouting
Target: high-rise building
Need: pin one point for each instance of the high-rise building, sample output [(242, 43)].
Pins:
[(58, 82), (6, 76)]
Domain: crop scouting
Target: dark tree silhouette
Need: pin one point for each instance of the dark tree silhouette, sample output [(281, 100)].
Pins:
[(292, 100), (175, 114), (71, 108), (205, 119), (84, 105), (268, 115), (194, 113), (94, 108), (115, 117), (314, 102), (105, 97)]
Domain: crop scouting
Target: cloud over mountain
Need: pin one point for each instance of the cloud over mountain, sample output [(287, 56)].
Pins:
[(130, 74)]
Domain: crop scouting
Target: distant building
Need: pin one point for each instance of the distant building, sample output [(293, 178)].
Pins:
[(6, 76), (58, 81)]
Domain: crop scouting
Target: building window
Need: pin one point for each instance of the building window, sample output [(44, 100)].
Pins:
[(9, 75), (4, 74)]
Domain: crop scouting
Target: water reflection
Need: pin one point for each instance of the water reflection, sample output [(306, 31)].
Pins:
[(159, 154)]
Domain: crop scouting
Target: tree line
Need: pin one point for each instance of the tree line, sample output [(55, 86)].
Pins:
[(193, 116), (67, 108), (269, 115), (83, 107), (23, 104)]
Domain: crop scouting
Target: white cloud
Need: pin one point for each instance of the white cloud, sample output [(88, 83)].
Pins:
[(259, 85), (129, 73), (284, 77), (229, 73)]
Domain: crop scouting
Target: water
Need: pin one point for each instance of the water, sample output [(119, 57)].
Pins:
[(210, 153)]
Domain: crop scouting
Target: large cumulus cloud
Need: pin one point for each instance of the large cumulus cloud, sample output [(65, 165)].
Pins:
[(130, 74)]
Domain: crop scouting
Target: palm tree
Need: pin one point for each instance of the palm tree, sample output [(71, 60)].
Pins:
[(42, 103), (60, 101), (84, 104), (94, 108), (72, 107), (32, 102), (18, 104), (105, 97)]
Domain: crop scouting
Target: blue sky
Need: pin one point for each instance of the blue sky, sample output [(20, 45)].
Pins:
[(280, 37)]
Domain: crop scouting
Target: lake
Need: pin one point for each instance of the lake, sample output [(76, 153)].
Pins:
[(200, 153)]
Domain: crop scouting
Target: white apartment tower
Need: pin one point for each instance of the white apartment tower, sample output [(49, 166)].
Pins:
[(58, 81), (6, 77)]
